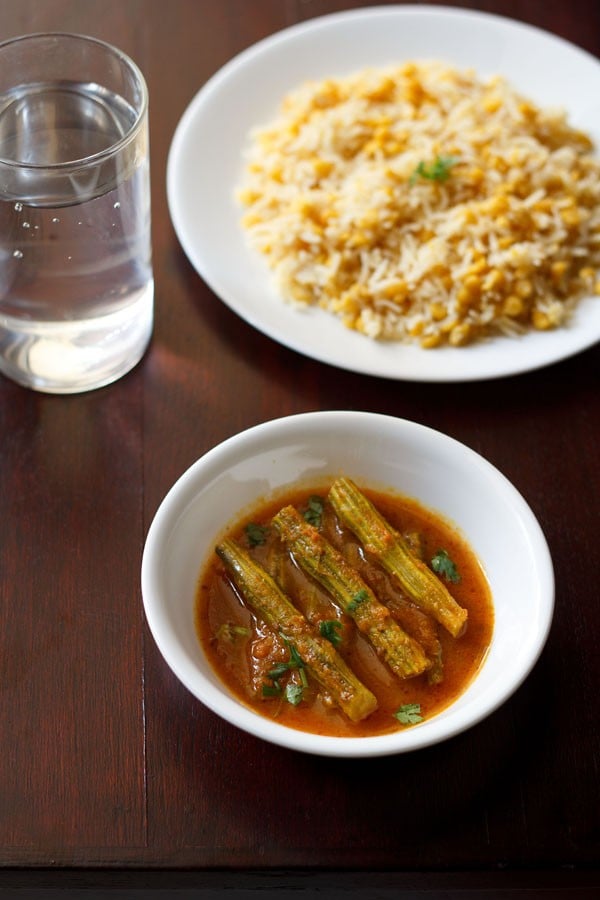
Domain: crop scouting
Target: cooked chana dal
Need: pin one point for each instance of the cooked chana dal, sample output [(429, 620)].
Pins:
[(420, 203)]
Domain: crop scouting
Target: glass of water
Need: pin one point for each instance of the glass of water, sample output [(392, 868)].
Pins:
[(76, 287)]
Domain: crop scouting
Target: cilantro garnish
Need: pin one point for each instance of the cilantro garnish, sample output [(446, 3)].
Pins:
[(444, 565), (330, 629), (256, 534), (409, 714), (293, 691), (271, 690), (438, 170), (278, 671), (358, 598), (314, 511)]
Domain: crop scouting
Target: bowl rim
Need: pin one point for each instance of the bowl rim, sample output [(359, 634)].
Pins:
[(205, 469)]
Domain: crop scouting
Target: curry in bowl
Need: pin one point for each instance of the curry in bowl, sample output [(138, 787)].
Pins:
[(345, 612)]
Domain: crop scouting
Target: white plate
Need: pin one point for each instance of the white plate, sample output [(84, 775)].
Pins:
[(205, 165)]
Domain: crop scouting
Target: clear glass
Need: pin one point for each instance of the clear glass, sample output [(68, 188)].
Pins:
[(76, 286)]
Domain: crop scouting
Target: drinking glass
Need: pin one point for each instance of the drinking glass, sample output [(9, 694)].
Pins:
[(76, 286)]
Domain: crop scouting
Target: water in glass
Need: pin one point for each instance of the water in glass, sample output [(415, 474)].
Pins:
[(75, 262)]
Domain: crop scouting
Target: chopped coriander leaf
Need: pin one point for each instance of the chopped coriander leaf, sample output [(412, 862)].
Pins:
[(314, 511), (438, 170), (277, 671), (256, 534), (271, 690), (409, 714), (330, 629), (295, 662), (442, 564), (358, 598), (293, 693)]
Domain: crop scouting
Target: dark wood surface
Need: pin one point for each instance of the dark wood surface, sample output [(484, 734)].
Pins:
[(108, 764)]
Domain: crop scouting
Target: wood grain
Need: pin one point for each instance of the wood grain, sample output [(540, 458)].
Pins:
[(107, 760)]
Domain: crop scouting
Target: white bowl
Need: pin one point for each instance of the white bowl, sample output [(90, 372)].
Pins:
[(382, 451)]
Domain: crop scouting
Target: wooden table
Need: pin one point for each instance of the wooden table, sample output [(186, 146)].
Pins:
[(110, 772)]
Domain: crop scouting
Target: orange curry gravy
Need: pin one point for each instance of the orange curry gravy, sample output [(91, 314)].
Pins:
[(242, 649)]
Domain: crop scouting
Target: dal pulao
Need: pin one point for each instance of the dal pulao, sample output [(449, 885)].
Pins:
[(420, 203)]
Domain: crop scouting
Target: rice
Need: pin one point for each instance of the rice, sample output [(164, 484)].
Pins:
[(420, 203)]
